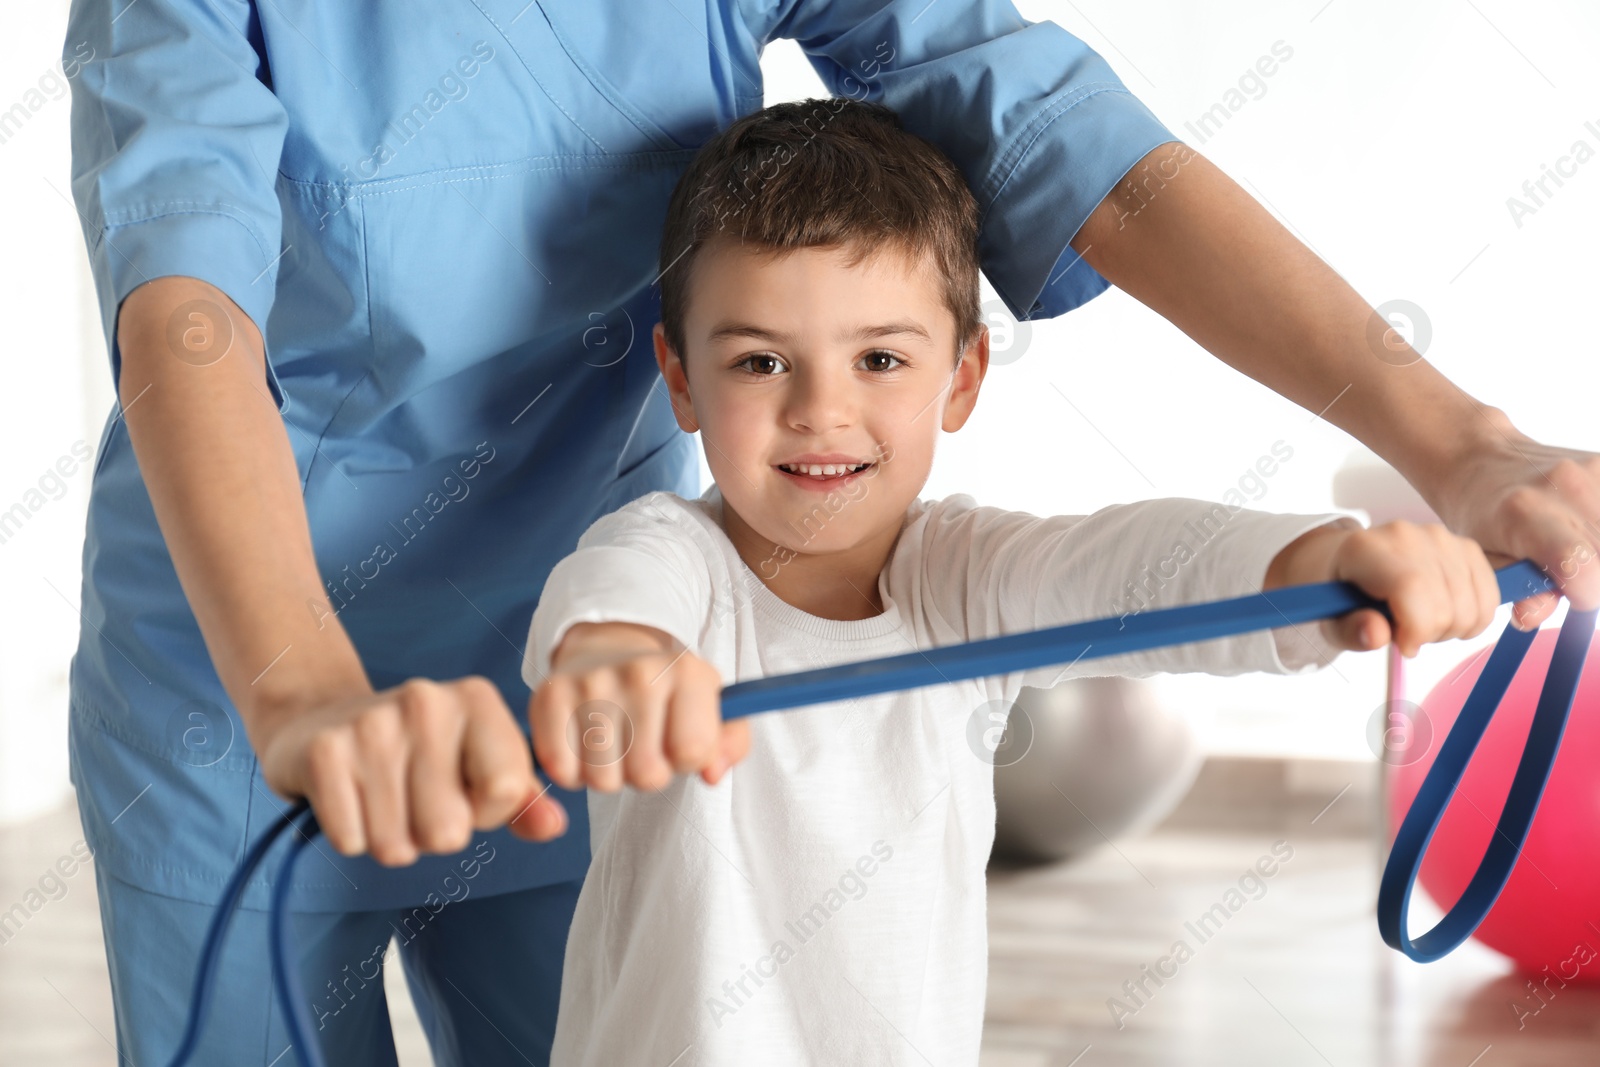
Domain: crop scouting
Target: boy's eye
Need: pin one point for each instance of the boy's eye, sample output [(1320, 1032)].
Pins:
[(882, 354), (761, 359), (764, 365)]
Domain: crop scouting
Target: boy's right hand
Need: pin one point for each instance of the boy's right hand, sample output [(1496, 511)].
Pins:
[(624, 704)]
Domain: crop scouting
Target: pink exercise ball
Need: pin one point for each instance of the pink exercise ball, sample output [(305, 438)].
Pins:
[(1548, 915)]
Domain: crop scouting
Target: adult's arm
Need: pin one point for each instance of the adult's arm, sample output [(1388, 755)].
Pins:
[(1184, 239), (175, 144), (215, 457), (395, 772)]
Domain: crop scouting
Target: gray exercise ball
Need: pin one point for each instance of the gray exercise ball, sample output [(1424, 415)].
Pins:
[(1084, 762)]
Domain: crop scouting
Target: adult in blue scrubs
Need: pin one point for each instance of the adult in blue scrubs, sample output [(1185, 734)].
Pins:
[(427, 236)]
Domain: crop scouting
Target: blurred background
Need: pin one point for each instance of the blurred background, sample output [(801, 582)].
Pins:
[(1393, 138), (1389, 143)]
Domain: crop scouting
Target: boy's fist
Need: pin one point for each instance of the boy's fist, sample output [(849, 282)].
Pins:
[(1438, 584), (625, 705)]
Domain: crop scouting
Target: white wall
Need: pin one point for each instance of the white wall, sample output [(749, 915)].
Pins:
[(55, 392), (1390, 142)]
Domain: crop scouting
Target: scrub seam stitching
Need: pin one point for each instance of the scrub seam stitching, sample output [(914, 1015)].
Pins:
[(528, 67), (93, 717), (366, 295), (146, 212), (628, 161), (612, 95), (1007, 162), (1012, 157)]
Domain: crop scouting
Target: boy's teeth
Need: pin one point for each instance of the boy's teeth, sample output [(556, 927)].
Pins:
[(824, 470)]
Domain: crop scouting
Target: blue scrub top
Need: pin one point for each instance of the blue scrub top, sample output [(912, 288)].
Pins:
[(447, 216)]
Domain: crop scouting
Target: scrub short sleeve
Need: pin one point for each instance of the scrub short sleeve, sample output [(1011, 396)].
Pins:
[(1035, 119), (176, 138)]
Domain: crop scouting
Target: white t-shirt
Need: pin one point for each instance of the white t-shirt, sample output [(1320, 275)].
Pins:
[(824, 903)]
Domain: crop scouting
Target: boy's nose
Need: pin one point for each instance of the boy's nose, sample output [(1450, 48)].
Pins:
[(818, 405)]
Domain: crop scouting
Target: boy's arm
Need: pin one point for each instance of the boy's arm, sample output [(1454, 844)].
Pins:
[(1437, 585), (623, 618), (634, 566), (587, 642), (1014, 571)]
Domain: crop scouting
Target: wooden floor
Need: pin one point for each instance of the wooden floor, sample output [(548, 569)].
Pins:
[(1298, 976), (1295, 975)]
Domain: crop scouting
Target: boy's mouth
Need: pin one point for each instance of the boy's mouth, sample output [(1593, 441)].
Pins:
[(822, 470), (822, 475)]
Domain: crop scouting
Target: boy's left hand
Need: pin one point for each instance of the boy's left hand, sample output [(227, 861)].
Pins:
[(1438, 584)]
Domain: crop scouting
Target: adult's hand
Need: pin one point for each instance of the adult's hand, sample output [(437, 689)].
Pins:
[(1184, 239), (406, 770), (1527, 500)]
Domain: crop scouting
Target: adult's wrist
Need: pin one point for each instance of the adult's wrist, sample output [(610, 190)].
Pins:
[(1442, 460), (289, 690)]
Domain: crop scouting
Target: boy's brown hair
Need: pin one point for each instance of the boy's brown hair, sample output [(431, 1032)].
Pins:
[(823, 173)]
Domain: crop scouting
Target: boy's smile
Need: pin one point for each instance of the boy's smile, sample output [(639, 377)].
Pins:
[(819, 389), (818, 474)]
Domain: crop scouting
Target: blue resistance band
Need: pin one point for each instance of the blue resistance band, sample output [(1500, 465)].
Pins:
[(1186, 624)]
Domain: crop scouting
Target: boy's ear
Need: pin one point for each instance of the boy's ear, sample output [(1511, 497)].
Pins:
[(968, 378), (677, 382)]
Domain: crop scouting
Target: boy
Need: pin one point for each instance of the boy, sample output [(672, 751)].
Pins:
[(823, 901)]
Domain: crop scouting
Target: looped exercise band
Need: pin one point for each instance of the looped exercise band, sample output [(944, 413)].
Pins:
[(1180, 625)]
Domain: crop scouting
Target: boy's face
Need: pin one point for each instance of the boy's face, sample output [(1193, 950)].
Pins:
[(786, 365)]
